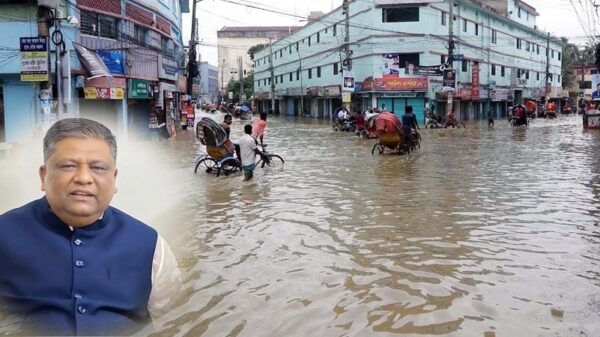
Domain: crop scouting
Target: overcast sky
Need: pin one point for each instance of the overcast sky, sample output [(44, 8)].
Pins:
[(556, 16)]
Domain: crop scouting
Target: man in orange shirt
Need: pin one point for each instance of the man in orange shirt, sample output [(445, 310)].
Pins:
[(258, 128)]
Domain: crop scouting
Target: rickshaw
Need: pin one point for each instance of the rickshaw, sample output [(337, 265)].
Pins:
[(391, 135), (591, 119), (433, 120), (218, 158), (369, 131), (550, 110), (519, 117)]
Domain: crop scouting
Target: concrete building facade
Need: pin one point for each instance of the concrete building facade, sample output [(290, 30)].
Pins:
[(234, 42), (140, 42), (209, 82), (396, 47)]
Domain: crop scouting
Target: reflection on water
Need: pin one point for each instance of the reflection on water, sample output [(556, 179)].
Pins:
[(483, 232)]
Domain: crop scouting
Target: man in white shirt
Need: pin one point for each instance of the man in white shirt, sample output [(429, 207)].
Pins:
[(248, 152)]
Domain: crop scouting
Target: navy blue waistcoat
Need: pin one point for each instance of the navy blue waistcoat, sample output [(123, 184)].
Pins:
[(94, 280)]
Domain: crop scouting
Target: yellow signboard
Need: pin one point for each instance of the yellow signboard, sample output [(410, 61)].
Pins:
[(346, 97), (103, 93)]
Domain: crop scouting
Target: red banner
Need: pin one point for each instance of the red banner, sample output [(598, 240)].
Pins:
[(475, 82), (395, 83)]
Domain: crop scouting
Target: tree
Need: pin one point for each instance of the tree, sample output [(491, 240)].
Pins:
[(575, 56), (255, 49), (234, 85)]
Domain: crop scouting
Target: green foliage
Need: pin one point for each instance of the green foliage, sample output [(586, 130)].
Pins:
[(255, 49), (234, 85), (575, 56)]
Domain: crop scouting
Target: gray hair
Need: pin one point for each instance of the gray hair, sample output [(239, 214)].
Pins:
[(78, 128)]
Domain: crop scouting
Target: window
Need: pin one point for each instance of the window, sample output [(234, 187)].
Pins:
[(526, 74), (335, 69), (558, 78), (98, 25), (334, 30), (290, 48), (465, 25), (297, 46), (309, 41), (309, 73), (400, 14), (444, 18), (318, 37), (265, 82), (167, 47), (280, 78), (538, 49), (502, 71), (413, 58), (442, 59), (493, 70), (276, 80), (140, 35), (519, 12), (494, 36), (465, 65), (291, 77), (552, 55), (280, 52), (476, 29), (318, 71), (519, 43), (527, 46), (297, 75), (559, 57), (537, 77)]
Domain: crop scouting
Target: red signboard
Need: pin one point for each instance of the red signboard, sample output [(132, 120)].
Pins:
[(395, 83), (475, 82)]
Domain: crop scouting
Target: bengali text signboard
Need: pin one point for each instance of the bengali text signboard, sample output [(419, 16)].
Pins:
[(34, 59)]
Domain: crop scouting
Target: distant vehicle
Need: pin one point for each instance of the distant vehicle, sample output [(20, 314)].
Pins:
[(591, 119)]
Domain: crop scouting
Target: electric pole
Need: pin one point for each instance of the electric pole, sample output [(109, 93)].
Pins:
[(346, 9), (192, 63), (450, 52), (272, 76), (241, 70), (548, 86)]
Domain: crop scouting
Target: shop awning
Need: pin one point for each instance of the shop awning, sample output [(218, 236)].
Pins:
[(93, 64)]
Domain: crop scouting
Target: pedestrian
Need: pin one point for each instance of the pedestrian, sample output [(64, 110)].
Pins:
[(248, 152), (73, 265), (258, 128), (491, 117)]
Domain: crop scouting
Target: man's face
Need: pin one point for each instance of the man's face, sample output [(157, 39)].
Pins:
[(79, 180)]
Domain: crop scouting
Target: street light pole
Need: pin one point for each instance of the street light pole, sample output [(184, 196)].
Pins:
[(449, 106)]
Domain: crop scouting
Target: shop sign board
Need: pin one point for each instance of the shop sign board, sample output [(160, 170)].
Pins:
[(475, 82), (139, 89), (167, 68), (34, 58), (348, 81), (103, 93), (395, 83)]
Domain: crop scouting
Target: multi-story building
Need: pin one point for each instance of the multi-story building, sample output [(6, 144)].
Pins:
[(583, 83), (396, 49), (140, 42), (209, 82), (233, 43)]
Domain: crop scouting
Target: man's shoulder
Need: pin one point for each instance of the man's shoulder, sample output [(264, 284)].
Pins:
[(18, 213)]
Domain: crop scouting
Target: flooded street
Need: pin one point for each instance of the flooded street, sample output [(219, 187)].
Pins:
[(483, 232)]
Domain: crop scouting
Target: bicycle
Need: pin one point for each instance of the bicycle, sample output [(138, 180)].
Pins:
[(273, 160)]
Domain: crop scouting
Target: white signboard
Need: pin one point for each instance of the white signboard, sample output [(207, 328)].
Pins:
[(348, 81)]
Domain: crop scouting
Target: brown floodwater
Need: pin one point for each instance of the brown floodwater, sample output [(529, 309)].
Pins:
[(482, 232)]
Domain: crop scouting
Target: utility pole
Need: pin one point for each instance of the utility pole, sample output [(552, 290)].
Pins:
[(301, 87), (58, 65), (222, 82), (548, 86), (192, 63), (241, 70), (346, 8), (450, 51), (272, 76)]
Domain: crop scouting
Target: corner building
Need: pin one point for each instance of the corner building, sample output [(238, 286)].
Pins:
[(501, 59)]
